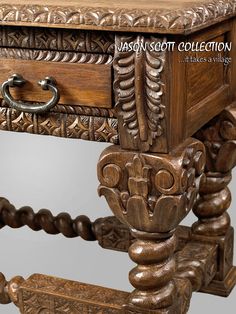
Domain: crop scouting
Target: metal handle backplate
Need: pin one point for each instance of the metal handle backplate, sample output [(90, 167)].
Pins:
[(49, 83)]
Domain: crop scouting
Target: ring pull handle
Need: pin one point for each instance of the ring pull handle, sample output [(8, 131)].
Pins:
[(49, 83)]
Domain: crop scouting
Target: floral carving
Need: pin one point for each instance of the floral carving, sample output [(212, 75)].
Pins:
[(149, 189), (219, 137)]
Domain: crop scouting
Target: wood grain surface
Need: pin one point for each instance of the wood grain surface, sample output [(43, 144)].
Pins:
[(87, 84)]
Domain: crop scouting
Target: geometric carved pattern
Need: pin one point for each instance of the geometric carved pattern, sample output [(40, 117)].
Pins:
[(100, 129), (196, 266), (112, 234), (92, 124), (198, 263), (44, 294), (140, 103), (122, 18), (54, 39)]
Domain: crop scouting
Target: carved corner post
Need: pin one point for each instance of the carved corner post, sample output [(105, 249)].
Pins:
[(151, 194), (149, 185), (219, 138)]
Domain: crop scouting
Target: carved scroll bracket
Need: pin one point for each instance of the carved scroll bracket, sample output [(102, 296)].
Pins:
[(151, 192)]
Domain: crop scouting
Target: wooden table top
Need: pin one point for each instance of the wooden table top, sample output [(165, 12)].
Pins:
[(166, 16)]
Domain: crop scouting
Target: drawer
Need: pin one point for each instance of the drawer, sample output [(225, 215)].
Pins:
[(82, 78), (81, 62)]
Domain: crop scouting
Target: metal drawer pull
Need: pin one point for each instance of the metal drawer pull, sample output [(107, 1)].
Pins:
[(49, 83)]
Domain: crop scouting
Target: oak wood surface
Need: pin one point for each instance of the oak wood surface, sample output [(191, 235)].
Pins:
[(198, 87), (176, 90), (206, 109), (172, 16), (78, 83)]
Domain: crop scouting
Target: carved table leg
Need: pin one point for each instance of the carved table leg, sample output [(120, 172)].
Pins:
[(219, 137), (151, 194)]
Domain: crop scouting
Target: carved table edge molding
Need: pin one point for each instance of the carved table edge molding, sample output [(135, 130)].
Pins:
[(179, 21)]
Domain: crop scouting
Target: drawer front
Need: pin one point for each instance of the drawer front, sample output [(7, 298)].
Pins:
[(82, 78), (80, 62)]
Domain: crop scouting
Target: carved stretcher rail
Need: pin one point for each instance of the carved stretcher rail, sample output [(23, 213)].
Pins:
[(56, 296), (99, 129), (196, 264), (196, 267), (108, 231), (81, 226)]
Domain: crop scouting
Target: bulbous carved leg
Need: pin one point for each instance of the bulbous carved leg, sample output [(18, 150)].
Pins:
[(219, 138), (151, 194)]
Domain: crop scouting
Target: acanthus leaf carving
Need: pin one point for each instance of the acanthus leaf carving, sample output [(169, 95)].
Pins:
[(151, 188), (140, 102)]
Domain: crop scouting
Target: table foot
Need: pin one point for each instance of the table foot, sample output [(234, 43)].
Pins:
[(222, 288)]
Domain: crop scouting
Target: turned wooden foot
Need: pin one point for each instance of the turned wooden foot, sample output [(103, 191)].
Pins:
[(213, 225), (151, 194)]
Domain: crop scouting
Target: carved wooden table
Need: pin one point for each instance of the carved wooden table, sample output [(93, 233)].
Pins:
[(172, 118)]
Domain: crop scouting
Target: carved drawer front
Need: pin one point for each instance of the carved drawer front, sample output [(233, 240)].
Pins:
[(80, 63), (81, 78)]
